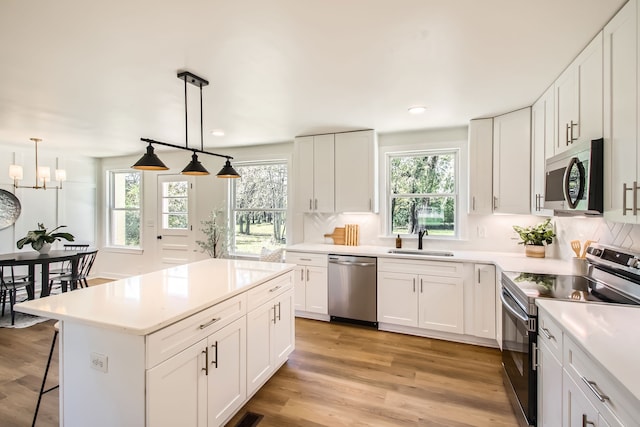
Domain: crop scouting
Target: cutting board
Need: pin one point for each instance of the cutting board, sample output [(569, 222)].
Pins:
[(337, 236)]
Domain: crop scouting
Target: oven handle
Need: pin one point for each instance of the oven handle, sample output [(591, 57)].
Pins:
[(511, 308)]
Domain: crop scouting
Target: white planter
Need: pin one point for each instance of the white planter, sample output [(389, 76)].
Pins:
[(45, 248)]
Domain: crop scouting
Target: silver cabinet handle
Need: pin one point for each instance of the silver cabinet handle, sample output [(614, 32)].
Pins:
[(275, 289), (414, 284), (634, 199), (305, 259), (215, 362), (586, 422), (566, 135), (495, 202), (534, 357), (279, 311), (274, 314), (421, 290), (479, 280), (302, 274), (370, 204), (307, 274), (546, 334), (310, 204), (594, 389), (210, 322), (572, 125), (473, 203), (206, 361), (316, 204)]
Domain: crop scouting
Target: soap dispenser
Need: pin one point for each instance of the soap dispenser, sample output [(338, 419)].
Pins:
[(398, 242)]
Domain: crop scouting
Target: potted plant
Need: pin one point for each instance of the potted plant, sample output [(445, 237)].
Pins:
[(41, 239), (535, 237), (216, 234)]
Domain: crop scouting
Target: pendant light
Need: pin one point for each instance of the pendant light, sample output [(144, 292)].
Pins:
[(150, 161), (43, 174)]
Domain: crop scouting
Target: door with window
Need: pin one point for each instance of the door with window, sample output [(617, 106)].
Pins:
[(176, 209)]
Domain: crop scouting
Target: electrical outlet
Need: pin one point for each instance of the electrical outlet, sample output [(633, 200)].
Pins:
[(99, 362)]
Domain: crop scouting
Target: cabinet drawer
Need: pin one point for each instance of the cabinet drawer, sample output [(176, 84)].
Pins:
[(174, 338), (614, 402), (550, 333), (303, 258), (263, 293), (432, 268)]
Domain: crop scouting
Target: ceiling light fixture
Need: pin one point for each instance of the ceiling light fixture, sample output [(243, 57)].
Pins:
[(150, 161), (418, 109), (43, 174)]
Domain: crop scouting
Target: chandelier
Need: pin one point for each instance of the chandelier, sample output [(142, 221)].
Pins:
[(43, 174)]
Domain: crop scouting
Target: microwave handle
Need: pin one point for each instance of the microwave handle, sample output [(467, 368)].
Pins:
[(565, 184)]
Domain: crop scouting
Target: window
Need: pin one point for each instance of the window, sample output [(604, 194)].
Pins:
[(124, 208), (175, 205), (422, 192), (259, 207)]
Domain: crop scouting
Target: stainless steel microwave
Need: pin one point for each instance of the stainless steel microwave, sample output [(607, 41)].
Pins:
[(574, 180)]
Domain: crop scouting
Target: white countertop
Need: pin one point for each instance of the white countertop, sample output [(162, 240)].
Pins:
[(143, 304), (609, 333), (507, 261)]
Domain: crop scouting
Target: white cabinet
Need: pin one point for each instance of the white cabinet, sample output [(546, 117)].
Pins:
[(542, 147), (579, 102), (621, 122), (549, 372), (314, 172), (270, 335), (426, 295), (483, 296), (512, 162), (579, 411), (356, 171), (310, 283), (202, 385), (481, 166)]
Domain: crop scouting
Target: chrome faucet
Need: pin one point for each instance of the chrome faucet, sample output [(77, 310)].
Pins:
[(421, 234)]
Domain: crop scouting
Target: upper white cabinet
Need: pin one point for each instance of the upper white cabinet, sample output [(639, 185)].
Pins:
[(481, 166), (336, 172), (542, 146), (315, 173), (621, 122), (578, 97), (512, 162), (356, 171)]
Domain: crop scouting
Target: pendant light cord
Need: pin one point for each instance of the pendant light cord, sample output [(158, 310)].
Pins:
[(186, 117), (201, 131)]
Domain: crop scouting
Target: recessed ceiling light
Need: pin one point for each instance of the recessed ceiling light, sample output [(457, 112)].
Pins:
[(217, 132), (418, 109)]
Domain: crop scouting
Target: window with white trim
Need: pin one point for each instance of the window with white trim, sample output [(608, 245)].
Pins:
[(125, 201), (422, 192), (258, 207)]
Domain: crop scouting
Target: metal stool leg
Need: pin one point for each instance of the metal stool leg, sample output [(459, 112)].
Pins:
[(44, 380)]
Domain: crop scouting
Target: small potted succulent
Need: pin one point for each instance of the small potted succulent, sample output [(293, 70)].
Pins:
[(535, 237), (41, 239)]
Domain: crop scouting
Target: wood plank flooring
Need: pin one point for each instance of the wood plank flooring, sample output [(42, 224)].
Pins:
[(338, 376)]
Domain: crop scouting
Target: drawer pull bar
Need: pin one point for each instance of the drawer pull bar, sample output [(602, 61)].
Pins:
[(276, 288), (546, 334), (210, 322), (594, 389)]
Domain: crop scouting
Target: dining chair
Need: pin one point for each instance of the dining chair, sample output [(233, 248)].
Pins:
[(65, 266), (9, 286), (80, 279)]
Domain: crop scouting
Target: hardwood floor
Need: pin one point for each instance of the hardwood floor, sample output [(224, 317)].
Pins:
[(338, 376)]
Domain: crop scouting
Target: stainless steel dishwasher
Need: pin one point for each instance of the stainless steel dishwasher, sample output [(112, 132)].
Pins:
[(353, 289)]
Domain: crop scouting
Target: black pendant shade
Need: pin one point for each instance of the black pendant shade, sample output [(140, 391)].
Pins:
[(150, 162), (194, 167), (228, 171)]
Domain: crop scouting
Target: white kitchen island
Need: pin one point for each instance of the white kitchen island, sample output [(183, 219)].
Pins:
[(188, 345)]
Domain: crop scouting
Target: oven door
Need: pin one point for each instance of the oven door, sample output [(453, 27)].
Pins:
[(517, 347)]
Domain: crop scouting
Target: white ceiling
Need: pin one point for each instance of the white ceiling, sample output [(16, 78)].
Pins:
[(95, 76)]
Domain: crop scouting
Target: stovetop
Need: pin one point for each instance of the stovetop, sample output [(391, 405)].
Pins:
[(607, 282)]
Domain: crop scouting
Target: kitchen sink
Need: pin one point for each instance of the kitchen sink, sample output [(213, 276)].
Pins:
[(420, 252)]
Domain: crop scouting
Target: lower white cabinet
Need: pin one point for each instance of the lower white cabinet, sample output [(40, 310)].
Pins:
[(549, 388), (202, 385), (270, 339), (579, 411), (310, 283), (483, 295)]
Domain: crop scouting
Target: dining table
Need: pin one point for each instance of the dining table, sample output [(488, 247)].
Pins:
[(33, 258)]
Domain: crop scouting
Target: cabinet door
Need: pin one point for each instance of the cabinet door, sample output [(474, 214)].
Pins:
[(484, 301), (304, 173), (260, 361), (283, 328), (356, 179), (542, 131), (227, 371), (397, 298), (549, 389), (566, 93), (177, 389), (589, 69), (578, 411), (323, 173), (300, 287), (316, 292), (481, 166), (512, 162), (620, 112), (441, 303)]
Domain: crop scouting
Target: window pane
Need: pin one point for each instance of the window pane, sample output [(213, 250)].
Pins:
[(412, 214), (175, 221), (125, 228), (175, 189), (423, 174), (261, 187), (126, 190), (255, 229), (174, 205)]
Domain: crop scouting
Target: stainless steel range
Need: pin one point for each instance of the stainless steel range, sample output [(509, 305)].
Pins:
[(613, 277)]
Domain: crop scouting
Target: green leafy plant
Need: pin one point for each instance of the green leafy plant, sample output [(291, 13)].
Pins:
[(216, 234), (37, 238), (536, 235)]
